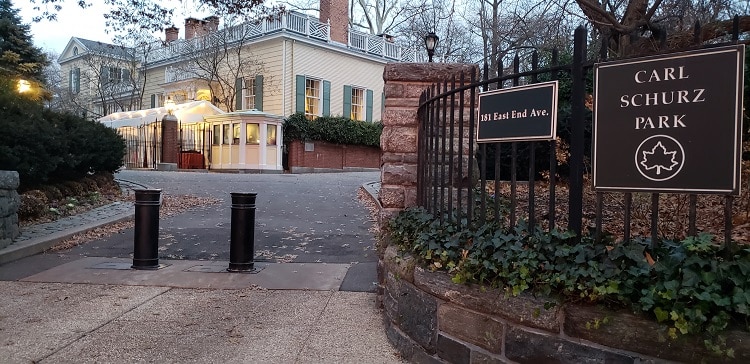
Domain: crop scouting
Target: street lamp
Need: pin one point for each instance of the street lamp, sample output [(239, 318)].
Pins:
[(430, 42), (24, 86)]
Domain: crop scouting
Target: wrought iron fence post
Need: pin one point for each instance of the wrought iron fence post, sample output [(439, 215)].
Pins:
[(578, 93)]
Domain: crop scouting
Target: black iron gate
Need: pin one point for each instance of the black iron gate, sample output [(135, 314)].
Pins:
[(195, 147), (453, 171), (143, 145)]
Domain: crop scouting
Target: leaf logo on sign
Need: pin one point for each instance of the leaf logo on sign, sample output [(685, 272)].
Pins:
[(659, 158)]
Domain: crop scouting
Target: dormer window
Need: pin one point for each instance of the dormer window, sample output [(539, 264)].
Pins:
[(75, 51)]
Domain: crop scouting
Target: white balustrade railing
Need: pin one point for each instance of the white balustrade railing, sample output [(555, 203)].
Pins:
[(175, 74), (292, 22)]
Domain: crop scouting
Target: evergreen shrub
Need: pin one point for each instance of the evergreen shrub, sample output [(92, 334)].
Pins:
[(332, 129), (46, 146)]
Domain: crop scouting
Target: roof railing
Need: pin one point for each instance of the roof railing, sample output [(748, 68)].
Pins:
[(293, 22)]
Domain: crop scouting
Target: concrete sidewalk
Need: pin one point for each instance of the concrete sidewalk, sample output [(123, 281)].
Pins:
[(86, 323), (98, 309)]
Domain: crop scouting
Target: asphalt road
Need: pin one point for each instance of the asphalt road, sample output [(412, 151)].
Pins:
[(302, 218)]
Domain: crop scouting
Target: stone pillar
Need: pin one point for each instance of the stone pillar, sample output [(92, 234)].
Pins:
[(404, 83), (170, 143), (9, 203)]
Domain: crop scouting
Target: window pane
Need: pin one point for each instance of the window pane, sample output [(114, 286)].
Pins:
[(312, 98), (217, 134), (248, 93), (271, 134), (253, 134), (235, 134), (358, 104), (227, 134)]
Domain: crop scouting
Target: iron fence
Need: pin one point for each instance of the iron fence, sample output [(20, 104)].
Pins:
[(453, 170), (143, 145)]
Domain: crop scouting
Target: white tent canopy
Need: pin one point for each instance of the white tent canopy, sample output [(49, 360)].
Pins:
[(189, 112)]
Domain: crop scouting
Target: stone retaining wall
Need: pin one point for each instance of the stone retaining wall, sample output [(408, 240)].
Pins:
[(432, 320), (9, 203)]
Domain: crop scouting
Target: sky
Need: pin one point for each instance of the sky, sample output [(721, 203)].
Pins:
[(72, 21)]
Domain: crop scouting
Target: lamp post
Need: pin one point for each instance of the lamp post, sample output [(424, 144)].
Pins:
[(430, 42)]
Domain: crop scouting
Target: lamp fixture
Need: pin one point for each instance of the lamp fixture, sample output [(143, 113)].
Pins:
[(430, 42), (169, 105), (23, 86)]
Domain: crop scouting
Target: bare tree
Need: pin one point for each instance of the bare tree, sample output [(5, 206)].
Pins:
[(155, 15), (640, 26), (510, 27), (219, 59), (109, 78)]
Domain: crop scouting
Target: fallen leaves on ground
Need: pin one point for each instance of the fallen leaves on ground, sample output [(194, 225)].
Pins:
[(171, 205)]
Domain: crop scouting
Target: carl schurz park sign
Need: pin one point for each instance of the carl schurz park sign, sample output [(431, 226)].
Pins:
[(670, 123), (521, 113)]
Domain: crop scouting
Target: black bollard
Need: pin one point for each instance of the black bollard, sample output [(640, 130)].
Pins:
[(146, 239), (242, 244)]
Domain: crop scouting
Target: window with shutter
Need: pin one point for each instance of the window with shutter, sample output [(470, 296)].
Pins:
[(248, 93), (358, 104)]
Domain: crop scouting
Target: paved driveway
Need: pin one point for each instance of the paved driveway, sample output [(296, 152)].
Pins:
[(302, 218)]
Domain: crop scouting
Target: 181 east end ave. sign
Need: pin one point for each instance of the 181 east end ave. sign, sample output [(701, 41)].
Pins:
[(669, 123), (521, 113)]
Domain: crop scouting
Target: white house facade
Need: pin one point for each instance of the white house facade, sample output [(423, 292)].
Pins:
[(294, 63)]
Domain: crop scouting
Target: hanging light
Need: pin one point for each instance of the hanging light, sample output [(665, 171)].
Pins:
[(430, 42), (169, 105)]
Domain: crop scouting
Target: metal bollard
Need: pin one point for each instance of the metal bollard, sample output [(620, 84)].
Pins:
[(242, 245), (146, 239)]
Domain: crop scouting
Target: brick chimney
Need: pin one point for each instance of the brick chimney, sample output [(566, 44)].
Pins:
[(211, 23), (337, 12), (193, 28), (171, 33)]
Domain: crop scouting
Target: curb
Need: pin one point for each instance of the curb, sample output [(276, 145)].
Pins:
[(25, 248), (372, 188), (31, 247)]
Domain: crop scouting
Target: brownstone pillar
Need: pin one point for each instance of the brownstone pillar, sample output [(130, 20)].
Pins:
[(404, 83), (170, 142)]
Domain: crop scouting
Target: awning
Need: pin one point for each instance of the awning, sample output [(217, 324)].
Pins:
[(189, 112)]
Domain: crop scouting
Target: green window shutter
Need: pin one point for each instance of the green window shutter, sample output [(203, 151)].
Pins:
[(369, 106), (347, 102), (259, 92), (153, 101), (126, 76), (70, 80), (104, 75), (237, 94), (326, 98), (77, 80), (300, 99)]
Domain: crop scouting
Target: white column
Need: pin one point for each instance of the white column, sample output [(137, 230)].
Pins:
[(263, 144)]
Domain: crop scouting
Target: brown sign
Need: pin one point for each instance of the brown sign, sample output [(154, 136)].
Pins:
[(670, 123)]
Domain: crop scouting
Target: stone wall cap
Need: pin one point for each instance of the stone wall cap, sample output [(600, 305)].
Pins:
[(427, 72), (9, 180)]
